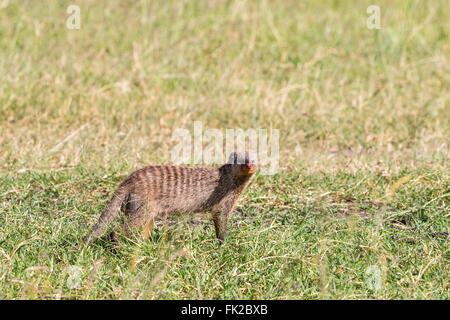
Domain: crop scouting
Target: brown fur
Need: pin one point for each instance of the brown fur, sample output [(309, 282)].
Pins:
[(156, 191)]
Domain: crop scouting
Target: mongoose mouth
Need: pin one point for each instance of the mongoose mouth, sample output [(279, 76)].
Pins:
[(246, 170), (251, 168)]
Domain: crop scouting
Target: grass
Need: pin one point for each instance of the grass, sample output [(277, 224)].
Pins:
[(363, 118)]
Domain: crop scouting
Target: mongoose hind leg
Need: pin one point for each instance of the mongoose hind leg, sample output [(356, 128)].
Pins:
[(139, 217), (115, 238)]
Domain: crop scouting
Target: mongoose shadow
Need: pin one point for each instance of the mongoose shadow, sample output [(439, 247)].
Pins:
[(155, 192)]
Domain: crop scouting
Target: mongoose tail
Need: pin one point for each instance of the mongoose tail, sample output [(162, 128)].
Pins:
[(110, 212)]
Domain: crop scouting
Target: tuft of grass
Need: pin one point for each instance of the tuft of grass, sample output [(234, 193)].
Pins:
[(359, 208)]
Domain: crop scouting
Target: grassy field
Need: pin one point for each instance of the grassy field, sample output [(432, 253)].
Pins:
[(358, 210)]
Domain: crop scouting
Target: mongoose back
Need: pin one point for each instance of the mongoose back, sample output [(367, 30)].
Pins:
[(156, 191)]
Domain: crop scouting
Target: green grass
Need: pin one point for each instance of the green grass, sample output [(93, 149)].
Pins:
[(363, 118), (294, 236)]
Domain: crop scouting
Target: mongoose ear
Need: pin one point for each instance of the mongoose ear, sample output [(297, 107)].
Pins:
[(252, 158), (232, 159)]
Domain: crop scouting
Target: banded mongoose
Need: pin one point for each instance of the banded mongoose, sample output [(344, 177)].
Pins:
[(157, 191)]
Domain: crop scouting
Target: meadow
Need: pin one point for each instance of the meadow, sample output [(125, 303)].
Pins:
[(359, 208)]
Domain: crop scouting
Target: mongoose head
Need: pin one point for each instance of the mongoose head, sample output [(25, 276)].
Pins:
[(243, 163)]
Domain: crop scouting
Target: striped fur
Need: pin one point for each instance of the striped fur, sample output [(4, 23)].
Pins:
[(155, 191)]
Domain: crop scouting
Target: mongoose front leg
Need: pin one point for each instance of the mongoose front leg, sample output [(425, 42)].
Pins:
[(139, 217), (220, 219), (220, 226)]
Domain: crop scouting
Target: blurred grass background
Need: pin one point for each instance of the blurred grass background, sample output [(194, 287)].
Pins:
[(363, 118)]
